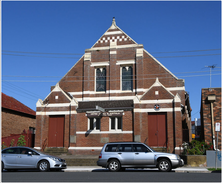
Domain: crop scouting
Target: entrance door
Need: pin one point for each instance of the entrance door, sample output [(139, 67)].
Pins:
[(157, 129), (56, 131)]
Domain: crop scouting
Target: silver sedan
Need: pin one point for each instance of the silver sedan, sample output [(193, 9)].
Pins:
[(28, 158)]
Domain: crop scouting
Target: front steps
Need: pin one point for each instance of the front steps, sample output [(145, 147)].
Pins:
[(56, 151), (159, 149)]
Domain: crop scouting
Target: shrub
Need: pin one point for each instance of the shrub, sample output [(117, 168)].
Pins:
[(3, 145), (196, 148), (21, 141)]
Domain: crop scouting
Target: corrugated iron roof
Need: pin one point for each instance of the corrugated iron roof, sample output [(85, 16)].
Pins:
[(13, 104)]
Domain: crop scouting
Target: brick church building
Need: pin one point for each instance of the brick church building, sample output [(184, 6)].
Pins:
[(117, 91)]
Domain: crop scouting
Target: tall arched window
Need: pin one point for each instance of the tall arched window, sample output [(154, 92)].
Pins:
[(127, 78), (100, 79)]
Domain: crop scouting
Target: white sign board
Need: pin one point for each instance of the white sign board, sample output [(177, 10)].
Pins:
[(217, 127), (100, 108)]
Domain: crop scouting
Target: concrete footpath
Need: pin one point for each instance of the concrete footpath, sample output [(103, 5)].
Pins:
[(100, 169)]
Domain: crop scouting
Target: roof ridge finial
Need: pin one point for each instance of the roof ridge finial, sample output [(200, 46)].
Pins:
[(114, 21)]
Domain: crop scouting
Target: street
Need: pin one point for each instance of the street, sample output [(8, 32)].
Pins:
[(101, 176)]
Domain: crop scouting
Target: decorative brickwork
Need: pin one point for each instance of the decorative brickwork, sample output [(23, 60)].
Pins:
[(125, 103)]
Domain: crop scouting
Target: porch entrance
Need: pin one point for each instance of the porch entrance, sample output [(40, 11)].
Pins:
[(157, 129), (56, 131)]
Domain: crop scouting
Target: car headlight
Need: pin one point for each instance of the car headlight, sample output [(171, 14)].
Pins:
[(178, 157), (55, 159)]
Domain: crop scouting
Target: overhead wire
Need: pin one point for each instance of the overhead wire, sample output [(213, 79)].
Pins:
[(19, 89), (22, 53), (80, 80), (139, 75)]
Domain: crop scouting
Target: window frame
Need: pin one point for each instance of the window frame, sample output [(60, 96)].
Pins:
[(116, 124), (121, 78), (94, 124), (96, 79)]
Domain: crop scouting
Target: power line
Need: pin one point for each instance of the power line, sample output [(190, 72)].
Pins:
[(186, 51), (98, 48), (12, 53), (80, 80), (143, 57), (12, 91), (106, 76), (42, 53), (19, 89)]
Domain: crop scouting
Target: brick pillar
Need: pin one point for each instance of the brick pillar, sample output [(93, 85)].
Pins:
[(87, 79), (139, 69), (114, 82)]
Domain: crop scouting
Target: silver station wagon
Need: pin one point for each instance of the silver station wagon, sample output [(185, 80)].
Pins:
[(120, 155), (27, 158)]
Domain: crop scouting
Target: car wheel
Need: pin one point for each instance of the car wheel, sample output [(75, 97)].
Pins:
[(114, 165), (164, 165), (43, 166)]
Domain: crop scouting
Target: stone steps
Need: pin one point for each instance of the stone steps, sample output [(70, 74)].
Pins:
[(160, 149), (81, 162), (56, 151)]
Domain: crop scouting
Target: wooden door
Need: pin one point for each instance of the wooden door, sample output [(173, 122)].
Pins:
[(56, 131), (157, 129)]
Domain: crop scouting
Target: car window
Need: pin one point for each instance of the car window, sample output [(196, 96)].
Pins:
[(10, 151), (125, 148), (111, 148), (140, 148), (26, 151), (23, 151)]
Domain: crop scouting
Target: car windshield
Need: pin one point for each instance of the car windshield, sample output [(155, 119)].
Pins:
[(151, 148)]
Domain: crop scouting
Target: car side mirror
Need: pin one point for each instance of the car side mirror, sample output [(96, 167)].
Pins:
[(29, 153)]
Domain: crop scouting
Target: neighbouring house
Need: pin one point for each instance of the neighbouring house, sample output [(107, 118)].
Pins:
[(17, 118), (210, 115), (117, 91)]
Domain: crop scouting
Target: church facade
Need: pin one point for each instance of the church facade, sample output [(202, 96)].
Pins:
[(117, 91)]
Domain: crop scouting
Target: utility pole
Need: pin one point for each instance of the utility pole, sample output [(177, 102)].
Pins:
[(211, 67)]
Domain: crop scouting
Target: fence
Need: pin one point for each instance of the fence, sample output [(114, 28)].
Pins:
[(29, 138)]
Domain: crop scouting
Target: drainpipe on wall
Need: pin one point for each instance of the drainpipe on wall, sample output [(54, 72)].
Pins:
[(212, 99)]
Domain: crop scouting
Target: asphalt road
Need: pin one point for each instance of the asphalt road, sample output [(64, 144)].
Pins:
[(127, 176)]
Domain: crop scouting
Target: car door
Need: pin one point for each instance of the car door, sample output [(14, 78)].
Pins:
[(26, 160), (9, 157), (142, 155), (125, 153)]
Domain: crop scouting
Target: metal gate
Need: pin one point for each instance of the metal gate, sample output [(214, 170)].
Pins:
[(157, 129), (56, 131)]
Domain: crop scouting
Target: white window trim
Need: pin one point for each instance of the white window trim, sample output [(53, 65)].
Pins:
[(94, 125), (116, 124), (95, 80), (121, 89)]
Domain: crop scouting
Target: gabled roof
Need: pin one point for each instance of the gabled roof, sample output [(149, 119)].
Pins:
[(157, 84), (13, 104), (57, 89), (114, 34)]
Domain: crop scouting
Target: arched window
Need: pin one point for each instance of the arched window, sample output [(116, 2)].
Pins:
[(100, 79), (127, 78)]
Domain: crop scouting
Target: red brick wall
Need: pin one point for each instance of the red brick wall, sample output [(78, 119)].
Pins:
[(15, 122), (206, 114), (81, 78)]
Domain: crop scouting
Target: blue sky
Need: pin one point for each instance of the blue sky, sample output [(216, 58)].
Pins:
[(41, 41)]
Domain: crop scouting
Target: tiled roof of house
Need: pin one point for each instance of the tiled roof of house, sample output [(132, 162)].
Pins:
[(13, 104)]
